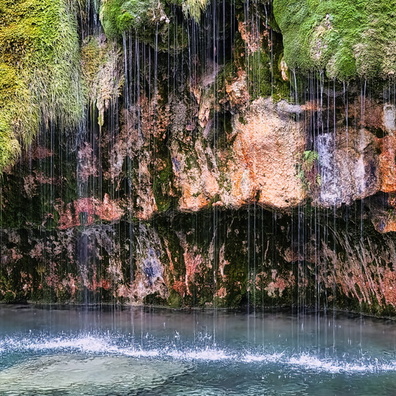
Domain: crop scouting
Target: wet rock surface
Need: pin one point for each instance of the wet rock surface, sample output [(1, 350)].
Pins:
[(210, 174)]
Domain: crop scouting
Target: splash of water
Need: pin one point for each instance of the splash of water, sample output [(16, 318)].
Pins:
[(93, 345)]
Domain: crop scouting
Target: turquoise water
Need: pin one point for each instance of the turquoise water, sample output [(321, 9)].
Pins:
[(138, 351)]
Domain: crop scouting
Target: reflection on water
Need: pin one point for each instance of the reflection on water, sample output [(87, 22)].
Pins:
[(138, 351)]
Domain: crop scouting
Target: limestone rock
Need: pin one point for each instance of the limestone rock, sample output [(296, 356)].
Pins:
[(267, 148), (348, 166), (261, 164)]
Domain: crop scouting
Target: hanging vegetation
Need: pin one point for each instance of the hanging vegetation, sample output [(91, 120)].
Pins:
[(39, 71)]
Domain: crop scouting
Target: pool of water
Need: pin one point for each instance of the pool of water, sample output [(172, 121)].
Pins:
[(140, 351)]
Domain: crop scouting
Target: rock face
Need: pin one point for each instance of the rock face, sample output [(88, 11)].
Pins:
[(211, 168), (268, 145), (348, 167), (387, 164), (259, 163)]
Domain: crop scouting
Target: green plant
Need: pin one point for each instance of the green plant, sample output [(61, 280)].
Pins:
[(306, 170), (309, 157)]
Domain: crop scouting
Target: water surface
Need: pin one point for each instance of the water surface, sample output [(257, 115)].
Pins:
[(140, 351)]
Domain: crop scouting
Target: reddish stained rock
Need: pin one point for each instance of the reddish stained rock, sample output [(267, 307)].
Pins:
[(267, 148), (387, 163), (384, 220), (279, 284), (138, 124), (71, 284), (87, 163), (10, 255), (193, 263), (27, 282), (39, 152), (33, 180), (92, 208), (237, 92), (388, 286), (123, 291), (180, 288), (221, 293), (29, 186), (251, 35), (392, 199), (101, 283), (367, 113), (259, 165), (362, 272)]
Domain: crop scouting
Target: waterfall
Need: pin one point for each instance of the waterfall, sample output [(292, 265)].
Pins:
[(200, 160), (197, 197)]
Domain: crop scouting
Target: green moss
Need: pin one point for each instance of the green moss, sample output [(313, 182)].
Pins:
[(9, 146), (154, 299), (162, 176), (345, 38), (102, 75), (147, 19), (258, 65), (161, 184), (174, 300), (119, 16), (39, 70), (226, 76)]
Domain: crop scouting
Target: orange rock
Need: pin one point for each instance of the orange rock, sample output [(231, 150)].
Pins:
[(267, 148), (387, 163)]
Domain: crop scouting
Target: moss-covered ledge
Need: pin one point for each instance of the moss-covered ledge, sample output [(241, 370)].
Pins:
[(345, 38), (39, 71)]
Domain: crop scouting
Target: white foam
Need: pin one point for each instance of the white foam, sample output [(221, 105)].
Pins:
[(140, 353), (310, 362), (314, 363), (95, 345), (207, 354), (267, 358)]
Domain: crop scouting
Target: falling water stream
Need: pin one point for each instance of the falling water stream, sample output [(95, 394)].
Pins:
[(106, 223), (142, 351)]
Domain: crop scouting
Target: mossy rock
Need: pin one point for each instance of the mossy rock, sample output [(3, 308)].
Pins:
[(147, 20), (39, 70), (118, 16), (347, 39)]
